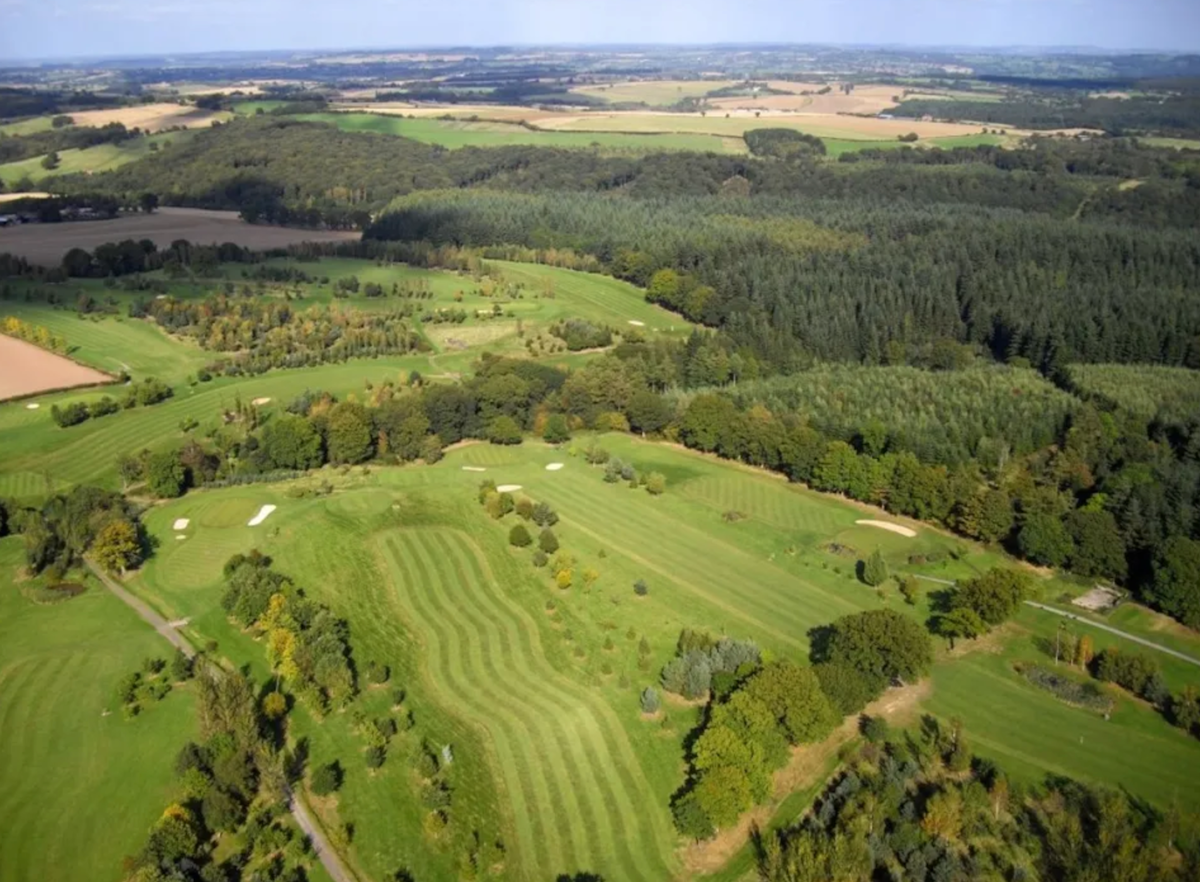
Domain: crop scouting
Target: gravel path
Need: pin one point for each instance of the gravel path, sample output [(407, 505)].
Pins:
[(321, 847)]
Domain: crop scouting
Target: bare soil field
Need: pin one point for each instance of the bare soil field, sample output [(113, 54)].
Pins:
[(25, 370), (45, 244), (150, 117)]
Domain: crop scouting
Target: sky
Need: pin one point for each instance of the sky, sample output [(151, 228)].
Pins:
[(68, 28)]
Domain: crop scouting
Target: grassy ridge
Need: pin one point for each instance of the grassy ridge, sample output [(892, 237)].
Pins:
[(101, 158), (78, 790)]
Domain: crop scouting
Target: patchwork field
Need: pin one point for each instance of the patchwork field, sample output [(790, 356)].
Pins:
[(149, 117), (653, 92), (29, 370), (46, 244), (64, 754)]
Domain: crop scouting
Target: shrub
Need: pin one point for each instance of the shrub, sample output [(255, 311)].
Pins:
[(1065, 689), (504, 430), (519, 537), (378, 672), (656, 483), (875, 729), (544, 515), (525, 508), (547, 541), (540, 559), (875, 569), (326, 779), (650, 700), (640, 588), (375, 756), (563, 579)]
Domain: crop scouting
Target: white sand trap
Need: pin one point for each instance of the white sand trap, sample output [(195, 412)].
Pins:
[(179, 536), (161, 297), (474, 469), (893, 528), (637, 324), (263, 514), (32, 406), (554, 466), (259, 402), (180, 524), (508, 488)]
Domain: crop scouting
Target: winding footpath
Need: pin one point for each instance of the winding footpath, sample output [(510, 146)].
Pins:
[(1109, 628), (304, 819)]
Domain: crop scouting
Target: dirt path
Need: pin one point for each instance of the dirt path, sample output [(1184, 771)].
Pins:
[(321, 847), (808, 763)]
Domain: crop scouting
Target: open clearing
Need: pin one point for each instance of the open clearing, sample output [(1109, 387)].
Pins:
[(91, 160), (26, 369), (59, 665), (45, 244), (490, 132)]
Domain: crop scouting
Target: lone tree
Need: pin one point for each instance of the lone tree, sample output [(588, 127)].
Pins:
[(519, 537), (875, 569), (117, 547), (882, 645), (995, 596), (961, 622), (656, 483), (547, 541)]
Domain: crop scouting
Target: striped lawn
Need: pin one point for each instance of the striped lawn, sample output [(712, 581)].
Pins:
[(578, 796)]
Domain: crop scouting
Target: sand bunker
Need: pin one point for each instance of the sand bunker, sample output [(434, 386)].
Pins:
[(637, 324), (474, 469), (259, 402), (508, 488), (179, 536), (263, 514), (893, 528), (180, 524), (32, 406), (554, 466)]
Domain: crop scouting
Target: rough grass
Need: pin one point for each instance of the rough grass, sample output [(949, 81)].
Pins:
[(78, 791)]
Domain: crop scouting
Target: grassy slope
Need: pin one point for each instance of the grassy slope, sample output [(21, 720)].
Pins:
[(430, 588), (78, 790), (36, 449), (103, 157)]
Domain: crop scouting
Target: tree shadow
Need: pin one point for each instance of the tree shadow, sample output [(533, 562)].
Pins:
[(820, 639)]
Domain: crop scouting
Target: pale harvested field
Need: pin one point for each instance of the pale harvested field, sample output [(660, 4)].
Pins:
[(25, 370), (864, 99), (826, 125), (13, 197), (45, 244), (653, 91), (150, 117)]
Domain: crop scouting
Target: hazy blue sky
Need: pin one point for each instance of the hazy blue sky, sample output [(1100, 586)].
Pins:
[(57, 28)]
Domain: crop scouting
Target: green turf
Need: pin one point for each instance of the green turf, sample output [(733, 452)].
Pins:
[(461, 133), (102, 157), (78, 790), (30, 126)]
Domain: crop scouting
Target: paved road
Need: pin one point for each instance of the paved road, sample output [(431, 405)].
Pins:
[(1109, 628), (321, 847), (1150, 643)]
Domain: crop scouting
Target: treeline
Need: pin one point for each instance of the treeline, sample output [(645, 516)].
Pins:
[(841, 281), (265, 334), (920, 806), (38, 102), (86, 521), (141, 394), (1175, 115), (308, 647), (311, 174)]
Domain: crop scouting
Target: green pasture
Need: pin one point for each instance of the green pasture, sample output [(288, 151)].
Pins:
[(466, 133), (652, 92), (31, 126), (248, 108), (102, 157), (79, 789)]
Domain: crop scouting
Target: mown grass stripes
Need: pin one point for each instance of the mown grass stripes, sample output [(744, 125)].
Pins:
[(576, 785)]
